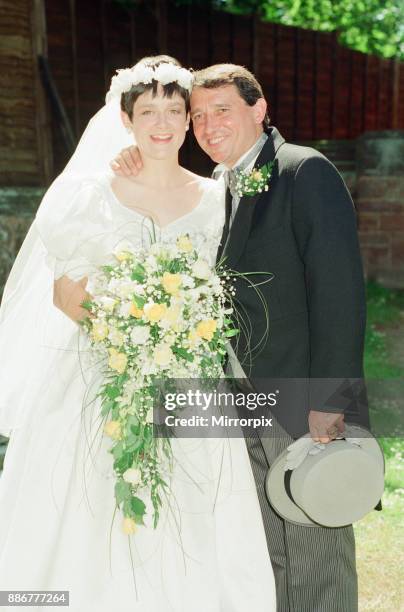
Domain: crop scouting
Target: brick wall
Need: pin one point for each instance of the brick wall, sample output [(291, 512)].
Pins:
[(379, 198)]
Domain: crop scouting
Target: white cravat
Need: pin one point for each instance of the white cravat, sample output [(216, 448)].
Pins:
[(245, 162)]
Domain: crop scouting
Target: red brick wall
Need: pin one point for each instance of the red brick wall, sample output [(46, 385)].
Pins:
[(379, 198)]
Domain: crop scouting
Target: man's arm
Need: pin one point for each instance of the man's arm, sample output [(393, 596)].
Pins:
[(68, 295), (324, 223), (128, 162)]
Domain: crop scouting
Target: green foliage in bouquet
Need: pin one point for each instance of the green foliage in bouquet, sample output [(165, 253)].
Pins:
[(157, 313)]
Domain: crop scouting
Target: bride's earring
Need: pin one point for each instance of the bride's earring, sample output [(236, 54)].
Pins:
[(187, 127)]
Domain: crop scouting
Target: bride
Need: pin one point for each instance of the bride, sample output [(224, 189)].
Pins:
[(59, 528)]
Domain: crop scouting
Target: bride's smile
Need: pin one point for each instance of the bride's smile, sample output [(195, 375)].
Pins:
[(159, 123)]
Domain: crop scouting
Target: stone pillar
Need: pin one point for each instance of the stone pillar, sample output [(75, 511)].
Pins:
[(379, 199)]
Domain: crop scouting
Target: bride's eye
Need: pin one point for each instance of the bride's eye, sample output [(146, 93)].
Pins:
[(147, 112)]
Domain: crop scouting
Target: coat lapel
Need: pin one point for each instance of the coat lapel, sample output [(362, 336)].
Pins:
[(226, 228), (240, 230)]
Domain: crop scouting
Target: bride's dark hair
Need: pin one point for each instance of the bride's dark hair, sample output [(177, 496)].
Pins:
[(129, 98)]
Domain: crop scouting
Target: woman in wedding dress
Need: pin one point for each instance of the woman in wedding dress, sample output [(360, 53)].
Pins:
[(59, 528)]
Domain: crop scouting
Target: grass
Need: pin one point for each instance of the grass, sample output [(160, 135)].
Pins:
[(379, 539), (384, 308)]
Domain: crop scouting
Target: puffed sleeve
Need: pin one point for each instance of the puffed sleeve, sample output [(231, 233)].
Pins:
[(69, 221)]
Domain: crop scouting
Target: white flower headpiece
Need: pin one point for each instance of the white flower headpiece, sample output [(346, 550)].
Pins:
[(164, 73)]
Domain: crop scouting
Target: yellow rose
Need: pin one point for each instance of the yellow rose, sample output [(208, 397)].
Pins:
[(129, 526), (113, 429), (184, 244), (99, 331), (162, 355), (123, 256), (155, 312), (171, 282), (205, 329), (256, 175), (117, 361), (135, 311)]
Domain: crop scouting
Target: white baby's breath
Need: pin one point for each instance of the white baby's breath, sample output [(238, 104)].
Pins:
[(158, 313)]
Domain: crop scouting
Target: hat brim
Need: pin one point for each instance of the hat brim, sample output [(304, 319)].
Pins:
[(278, 497), (281, 502)]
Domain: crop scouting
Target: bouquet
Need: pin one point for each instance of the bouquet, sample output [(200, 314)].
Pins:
[(156, 313)]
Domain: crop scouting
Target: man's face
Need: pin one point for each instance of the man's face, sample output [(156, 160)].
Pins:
[(224, 125)]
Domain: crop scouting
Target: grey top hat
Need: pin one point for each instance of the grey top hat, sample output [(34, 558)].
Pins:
[(332, 484)]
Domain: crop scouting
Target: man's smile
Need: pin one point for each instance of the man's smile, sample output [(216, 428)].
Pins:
[(215, 141)]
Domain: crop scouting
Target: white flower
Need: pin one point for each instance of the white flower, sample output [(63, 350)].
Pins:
[(151, 263), (148, 367), (177, 300), (108, 303), (194, 293), (124, 309), (132, 475), (187, 281), (126, 289), (149, 416), (185, 79), (162, 355), (201, 269), (170, 73), (140, 334), (215, 284), (166, 73), (142, 74), (125, 78), (116, 337), (120, 82)]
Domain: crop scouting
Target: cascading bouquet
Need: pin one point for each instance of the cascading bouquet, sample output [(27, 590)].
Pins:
[(156, 313)]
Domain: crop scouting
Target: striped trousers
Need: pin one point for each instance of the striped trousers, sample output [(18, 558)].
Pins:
[(314, 567)]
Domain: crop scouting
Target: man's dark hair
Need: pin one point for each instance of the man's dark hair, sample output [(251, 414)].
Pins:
[(230, 74), (129, 98)]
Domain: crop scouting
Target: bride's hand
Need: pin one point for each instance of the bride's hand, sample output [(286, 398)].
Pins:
[(68, 296), (128, 162)]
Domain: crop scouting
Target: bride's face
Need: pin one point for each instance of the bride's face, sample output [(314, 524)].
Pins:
[(159, 124)]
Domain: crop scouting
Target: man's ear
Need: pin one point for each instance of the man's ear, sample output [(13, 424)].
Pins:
[(126, 121), (260, 108)]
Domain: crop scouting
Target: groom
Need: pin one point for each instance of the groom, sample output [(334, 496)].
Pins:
[(302, 230)]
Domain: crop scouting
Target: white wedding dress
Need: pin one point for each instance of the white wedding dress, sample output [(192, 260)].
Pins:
[(58, 530)]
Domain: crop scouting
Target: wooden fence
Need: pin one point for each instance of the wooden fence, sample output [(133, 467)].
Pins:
[(316, 89)]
